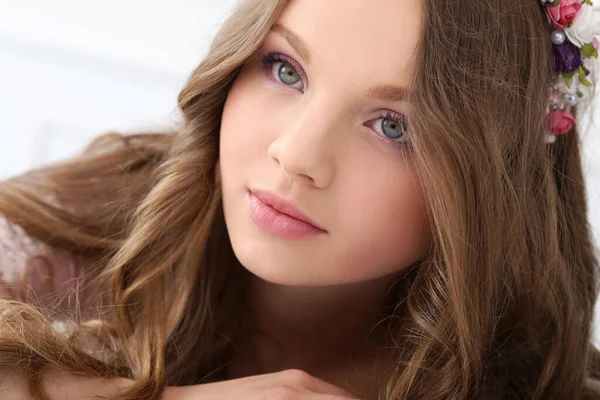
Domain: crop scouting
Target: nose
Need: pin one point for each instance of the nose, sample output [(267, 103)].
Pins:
[(305, 150)]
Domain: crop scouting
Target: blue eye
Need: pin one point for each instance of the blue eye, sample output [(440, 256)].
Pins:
[(284, 69), (393, 127)]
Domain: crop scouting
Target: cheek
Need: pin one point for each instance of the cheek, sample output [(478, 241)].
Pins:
[(248, 123), (240, 123), (387, 220)]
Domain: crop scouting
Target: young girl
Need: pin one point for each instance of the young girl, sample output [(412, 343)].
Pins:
[(365, 200)]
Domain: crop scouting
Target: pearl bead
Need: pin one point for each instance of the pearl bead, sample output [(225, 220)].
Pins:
[(558, 36), (550, 138), (571, 98)]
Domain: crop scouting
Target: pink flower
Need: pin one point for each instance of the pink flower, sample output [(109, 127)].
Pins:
[(595, 43), (562, 14), (559, 122)]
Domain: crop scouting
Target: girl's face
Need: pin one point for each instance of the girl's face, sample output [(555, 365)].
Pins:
[(318, 186)]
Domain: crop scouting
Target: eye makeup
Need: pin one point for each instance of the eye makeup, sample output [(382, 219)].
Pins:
[(272, 57)]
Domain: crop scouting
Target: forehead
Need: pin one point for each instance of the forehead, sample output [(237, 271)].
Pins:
[(365, 38)]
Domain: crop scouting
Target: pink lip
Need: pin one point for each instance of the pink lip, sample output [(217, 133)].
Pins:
[(280, 217)]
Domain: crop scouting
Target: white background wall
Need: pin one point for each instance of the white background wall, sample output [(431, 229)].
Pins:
[(70, 69)]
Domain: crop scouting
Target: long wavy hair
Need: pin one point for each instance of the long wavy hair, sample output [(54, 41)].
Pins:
[(501, 307)]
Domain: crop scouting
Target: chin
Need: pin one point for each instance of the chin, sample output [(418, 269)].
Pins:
[(274, 259), (272, 266), (282, 264)]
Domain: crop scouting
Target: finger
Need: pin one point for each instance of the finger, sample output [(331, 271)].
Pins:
[(321, 387), (318, 396), (299, 379)]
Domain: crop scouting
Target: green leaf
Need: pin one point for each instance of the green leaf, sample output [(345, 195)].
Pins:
[(579, 94), (585, 82), (589, 50), (581, 73), (569, 78), (589, 2)]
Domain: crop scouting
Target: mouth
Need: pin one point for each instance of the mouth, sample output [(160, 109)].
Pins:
[(280, 217)]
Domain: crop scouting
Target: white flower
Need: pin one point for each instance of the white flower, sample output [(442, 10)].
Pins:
[(585, 26)]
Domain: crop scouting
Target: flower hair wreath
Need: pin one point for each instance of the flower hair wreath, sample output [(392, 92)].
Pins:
[(575, 23)]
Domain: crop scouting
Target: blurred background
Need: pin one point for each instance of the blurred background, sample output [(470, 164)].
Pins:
[(72, 69)]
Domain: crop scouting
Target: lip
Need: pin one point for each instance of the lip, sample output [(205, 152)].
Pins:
[(280, 217)]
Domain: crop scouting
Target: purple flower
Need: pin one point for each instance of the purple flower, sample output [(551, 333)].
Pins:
[(567, 57)]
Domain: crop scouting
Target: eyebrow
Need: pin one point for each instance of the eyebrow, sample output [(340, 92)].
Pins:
[(378, 92)]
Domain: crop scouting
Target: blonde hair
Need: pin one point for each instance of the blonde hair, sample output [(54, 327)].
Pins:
[(501, 307)]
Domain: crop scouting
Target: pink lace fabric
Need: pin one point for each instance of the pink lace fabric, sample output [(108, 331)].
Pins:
[(37, 273)]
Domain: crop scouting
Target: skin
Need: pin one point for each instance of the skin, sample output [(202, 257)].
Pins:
[(316, 139)]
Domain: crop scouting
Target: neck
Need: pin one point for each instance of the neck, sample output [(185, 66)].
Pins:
[(312, 327)]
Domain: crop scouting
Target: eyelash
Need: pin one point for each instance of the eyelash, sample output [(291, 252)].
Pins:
[(272, 57)]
